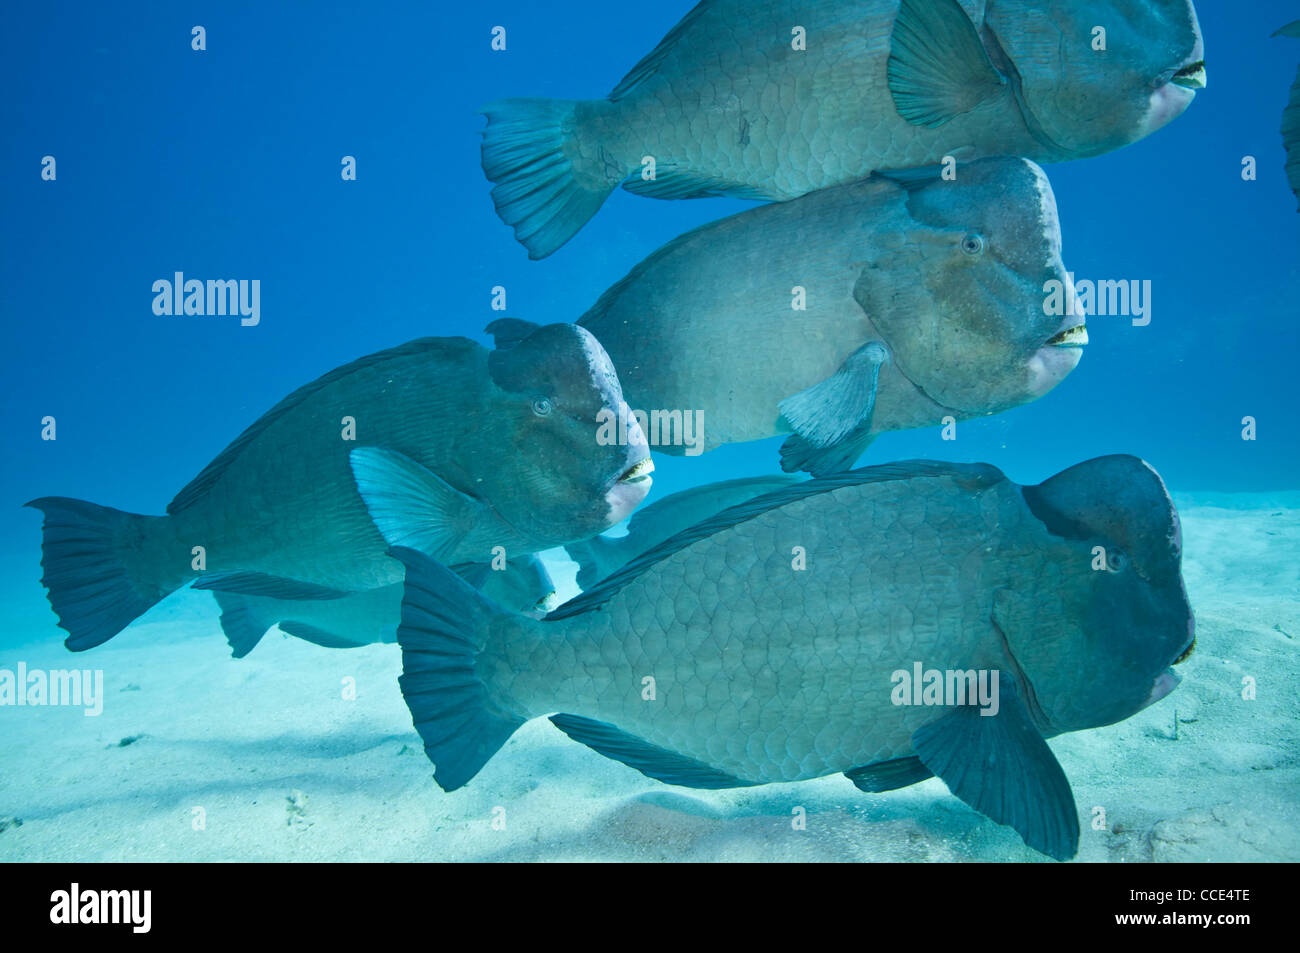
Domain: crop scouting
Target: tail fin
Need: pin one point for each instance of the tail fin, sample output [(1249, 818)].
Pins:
[(528, 153), (445, 625), (590, 557), (91, 557)]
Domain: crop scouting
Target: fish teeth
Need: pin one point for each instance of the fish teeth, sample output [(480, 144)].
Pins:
[(1192, 77), (639, 472), (1076, 336)]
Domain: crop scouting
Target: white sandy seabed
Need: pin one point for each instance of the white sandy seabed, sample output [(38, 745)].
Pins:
[(198, 756)]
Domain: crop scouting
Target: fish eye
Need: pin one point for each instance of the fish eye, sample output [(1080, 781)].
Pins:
[(1115, 561), (541, 406), (972, 245)]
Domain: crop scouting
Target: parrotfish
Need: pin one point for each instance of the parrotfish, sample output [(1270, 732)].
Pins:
[(1291, 120), (773, 99), (716, 660), (439, 444), (344, 620), (881, 305), (651, 525)]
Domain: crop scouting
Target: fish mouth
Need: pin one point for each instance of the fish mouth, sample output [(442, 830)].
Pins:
[(628, 491), (639, 472), (1192, 76), (1056, 358), (1076, 336)]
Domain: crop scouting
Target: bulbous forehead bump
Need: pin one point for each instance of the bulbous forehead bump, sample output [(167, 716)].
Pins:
[(1008, 200), (604, 378), (561, 361)]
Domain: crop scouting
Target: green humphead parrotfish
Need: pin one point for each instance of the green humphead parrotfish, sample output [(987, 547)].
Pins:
[(652, 524), (935, 619), (344, 620), (773, 99), (881, 305), (1291, 120), (440, 444)]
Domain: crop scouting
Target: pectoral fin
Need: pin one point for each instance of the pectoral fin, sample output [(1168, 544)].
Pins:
[(832, 419), (651, 760), (938, 67), (319, 636), (267, 586), (410, 505), (889, 775), (1001, 766)]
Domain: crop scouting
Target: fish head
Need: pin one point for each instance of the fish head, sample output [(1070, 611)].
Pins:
[(1095, 631), (563, 482), (1079, 99), (526, 586), (970, 293)]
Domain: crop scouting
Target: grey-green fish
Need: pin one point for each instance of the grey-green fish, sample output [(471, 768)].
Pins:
[(876, 306), (344, 620), (773, 99), (1291, 120), (943, 621), (651, 525), (439, 444)]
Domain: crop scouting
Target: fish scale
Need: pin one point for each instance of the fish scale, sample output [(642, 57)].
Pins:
[(439, 443), (725, 104), (708, 322), (764, 672), (827, 652)]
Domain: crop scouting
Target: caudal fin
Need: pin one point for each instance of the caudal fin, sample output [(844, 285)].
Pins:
[(445, 626), (529, 153), (92, 556)]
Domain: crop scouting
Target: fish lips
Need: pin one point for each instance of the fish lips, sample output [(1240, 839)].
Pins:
[(1168, 680), (1058, 356), (1165, 683), (1175, 92), (630, 489)]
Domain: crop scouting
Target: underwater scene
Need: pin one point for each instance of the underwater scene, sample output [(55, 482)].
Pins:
[(768, 430)]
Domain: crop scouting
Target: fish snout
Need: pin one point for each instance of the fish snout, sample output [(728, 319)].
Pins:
[(632, 487), (1191, 641)]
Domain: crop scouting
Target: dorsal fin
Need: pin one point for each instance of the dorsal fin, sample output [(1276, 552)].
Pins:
[(645, 517), (975, 474), (649, 64), (210, 474), (507, 332)]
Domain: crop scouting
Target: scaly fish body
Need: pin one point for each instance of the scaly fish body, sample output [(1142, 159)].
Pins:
[(439, 444), (875, 306), (767, 643), (651, 525), (773, 99)]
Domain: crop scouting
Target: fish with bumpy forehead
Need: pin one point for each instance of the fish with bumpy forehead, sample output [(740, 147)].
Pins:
[(459, 450), (766, 673), (1291, 120), (773, 99), (345, 620), (651, 525), (920, 299)]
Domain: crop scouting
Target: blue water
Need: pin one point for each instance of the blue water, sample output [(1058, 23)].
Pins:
[(225, 163)]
